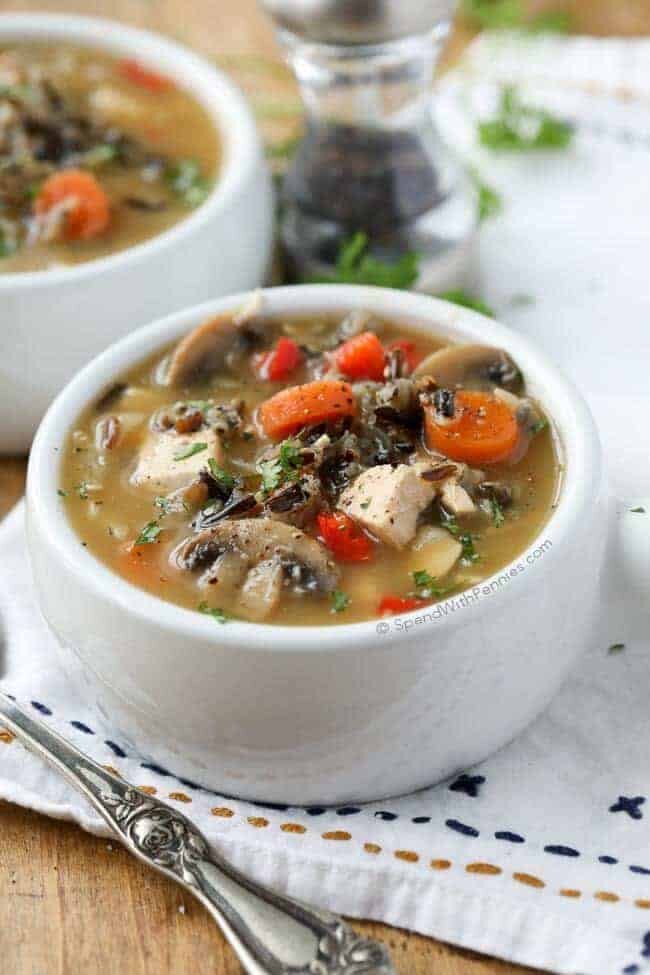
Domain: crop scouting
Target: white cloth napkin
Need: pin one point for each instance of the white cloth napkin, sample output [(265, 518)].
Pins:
[(542, 854)]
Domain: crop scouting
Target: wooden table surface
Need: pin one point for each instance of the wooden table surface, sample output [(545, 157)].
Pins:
[(71, 904)]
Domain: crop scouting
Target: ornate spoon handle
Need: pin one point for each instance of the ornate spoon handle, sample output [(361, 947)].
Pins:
[(271, 934)]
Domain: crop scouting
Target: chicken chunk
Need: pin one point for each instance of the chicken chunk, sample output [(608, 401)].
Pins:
[(169, 461), (435, 550), (455, 499), (386, 501)]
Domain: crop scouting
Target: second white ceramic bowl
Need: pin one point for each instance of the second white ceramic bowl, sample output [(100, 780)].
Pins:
[(327, 714), (54, 321)]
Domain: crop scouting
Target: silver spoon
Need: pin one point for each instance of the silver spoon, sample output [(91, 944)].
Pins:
[(271, 934)]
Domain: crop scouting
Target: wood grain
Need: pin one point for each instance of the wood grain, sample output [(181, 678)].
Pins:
[(71, 904)]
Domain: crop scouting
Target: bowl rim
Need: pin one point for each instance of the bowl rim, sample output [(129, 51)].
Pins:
[(216, 93), (572, 422)]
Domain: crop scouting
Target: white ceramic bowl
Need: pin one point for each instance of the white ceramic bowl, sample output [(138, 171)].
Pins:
[(320, 714), (54, 321)]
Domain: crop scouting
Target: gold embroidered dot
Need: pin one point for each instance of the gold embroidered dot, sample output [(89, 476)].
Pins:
[(488, 869), (6, 736), (440, 864), (529, 880), (337, 834), (222, 811), (409, 855), (293, 828), (643, 903), (569, 892), (372, 848), (607, 896), (179, 797), (150, 790), (113, 771), (258, 821)]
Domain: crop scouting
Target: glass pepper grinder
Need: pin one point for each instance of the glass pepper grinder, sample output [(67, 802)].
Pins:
[(371, 160)]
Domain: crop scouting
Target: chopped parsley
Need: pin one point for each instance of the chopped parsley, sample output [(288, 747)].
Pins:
[(99, 155), (82, 490), (168, 505), (616, 648), (459, 297), (187, 181), (638, 511), (194, 448), (496, 511), (282, 468), (271, 474), (427, 585), (355, 266), (539, 426), (519, 127), (340, 601), (61, 493), (213, 611), (165, 504), (490, 202), (149, 534), (469, 553), (222, 477)]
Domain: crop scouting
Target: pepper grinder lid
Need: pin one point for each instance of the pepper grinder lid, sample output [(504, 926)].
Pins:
[(359, 22)]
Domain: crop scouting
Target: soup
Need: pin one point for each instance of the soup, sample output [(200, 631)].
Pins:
[(97, 154), (313, 470)]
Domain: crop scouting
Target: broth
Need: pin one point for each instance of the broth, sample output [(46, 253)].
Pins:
[(146, 149), (122, 495)]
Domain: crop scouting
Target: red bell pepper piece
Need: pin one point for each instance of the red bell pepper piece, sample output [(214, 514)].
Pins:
[(390, 605), (143, 77), (362, 357), (280, 362), (344, 538)]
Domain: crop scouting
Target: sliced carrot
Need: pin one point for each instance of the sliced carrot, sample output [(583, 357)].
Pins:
[(390, 605), (143, 77), (483, 429), (89, 213), (344, 537), (362, 357), (300, 406)]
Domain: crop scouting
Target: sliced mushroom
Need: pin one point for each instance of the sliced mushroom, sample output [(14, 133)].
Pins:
[(471, 367), (530, 420), (227, 573), (262, 590), (207, 346), (304, 562)]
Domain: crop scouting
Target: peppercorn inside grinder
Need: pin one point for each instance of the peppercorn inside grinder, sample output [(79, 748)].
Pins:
[(371, 159)]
